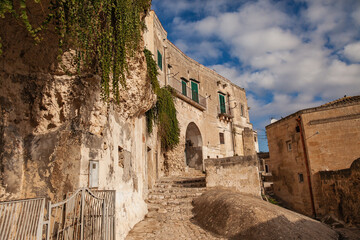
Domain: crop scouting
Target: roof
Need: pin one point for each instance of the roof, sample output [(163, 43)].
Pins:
[(344, 101)]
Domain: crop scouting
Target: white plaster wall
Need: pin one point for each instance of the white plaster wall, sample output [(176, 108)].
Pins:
[(130, 207)]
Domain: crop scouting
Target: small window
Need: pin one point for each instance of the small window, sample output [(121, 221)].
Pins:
[(301, 177), (297, 128), (242, 110), (222, 103), (195, 91), (266, 168), (289, 146), (184, 86), (159, 60), (222, 139), (255, 139)]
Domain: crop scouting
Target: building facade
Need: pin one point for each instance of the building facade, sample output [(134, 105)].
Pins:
[(212, 111), (310, 141)]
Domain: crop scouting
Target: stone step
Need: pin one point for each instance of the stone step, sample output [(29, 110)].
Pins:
[(181, 180), (175, 190), (158, 207), (177, 195), (181, 185), (166, 202)]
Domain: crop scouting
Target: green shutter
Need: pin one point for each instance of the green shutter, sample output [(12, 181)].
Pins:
[(183, 85), (195, 91), (222, 103), (159, 60)]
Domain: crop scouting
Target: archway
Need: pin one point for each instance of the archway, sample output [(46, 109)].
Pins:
[(193, 147)]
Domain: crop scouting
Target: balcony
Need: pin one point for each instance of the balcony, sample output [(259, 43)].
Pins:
[(224, 113), (187, 94)]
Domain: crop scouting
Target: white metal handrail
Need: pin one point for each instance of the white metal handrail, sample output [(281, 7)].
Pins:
[(22, 219), (81, 216)]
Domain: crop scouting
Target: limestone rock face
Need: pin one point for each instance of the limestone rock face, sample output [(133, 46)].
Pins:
[(236, 216), (46, 108)]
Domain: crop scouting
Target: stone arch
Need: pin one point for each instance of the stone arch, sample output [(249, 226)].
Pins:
[(193, 147)]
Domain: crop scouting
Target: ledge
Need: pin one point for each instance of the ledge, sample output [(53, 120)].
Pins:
[(189, 101)]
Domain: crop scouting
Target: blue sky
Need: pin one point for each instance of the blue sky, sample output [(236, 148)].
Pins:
[(288, 55)]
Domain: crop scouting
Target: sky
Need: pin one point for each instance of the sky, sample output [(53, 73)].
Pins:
[(288, 55)]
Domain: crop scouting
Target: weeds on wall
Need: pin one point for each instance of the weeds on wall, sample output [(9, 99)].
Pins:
[(164, 111), (105, 34)]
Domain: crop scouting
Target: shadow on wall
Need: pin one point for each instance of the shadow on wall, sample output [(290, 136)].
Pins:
[(341, 193)]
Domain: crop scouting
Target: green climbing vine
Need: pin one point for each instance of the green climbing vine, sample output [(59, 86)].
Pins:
[(105, 34), (164, 111)]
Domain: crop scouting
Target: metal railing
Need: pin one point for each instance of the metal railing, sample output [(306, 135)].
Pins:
[(187, 92), (22, 219), (83, 215), (109, 197), (224, 110)]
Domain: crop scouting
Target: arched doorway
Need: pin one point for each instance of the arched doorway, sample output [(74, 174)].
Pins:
[(193, 147)]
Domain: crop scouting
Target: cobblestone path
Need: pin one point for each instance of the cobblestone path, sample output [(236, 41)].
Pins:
[(170, 215)]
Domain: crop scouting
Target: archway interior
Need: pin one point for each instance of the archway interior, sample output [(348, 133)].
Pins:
[(193, 147)]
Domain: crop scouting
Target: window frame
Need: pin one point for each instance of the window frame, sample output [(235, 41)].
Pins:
[(159, 60), (222, 138), (195, 91), (222, 103), (289, 145), (184, 86)]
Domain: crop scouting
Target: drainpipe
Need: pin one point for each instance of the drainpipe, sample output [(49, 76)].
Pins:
[(231, 125), (165, 65), (300, 124), (233, 136)]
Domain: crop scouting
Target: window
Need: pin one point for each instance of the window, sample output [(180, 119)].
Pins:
[(266, 168), (195, 91), (301, 177), (159, 60), (288, 144), (93, 174), (255, 139), (222, 103), (183, 86), (222, 139), (242, 110)]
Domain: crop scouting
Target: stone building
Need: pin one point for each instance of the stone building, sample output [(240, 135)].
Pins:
[(305, 147), (212, 111), (58, 135)]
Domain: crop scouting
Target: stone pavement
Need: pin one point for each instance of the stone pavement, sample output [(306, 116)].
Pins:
[(170, 215)]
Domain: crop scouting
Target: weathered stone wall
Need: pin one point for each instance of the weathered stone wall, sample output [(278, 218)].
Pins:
[(341, 193), (53, 122), (240, 172), (332, 141), (286, 165), (331, 135)]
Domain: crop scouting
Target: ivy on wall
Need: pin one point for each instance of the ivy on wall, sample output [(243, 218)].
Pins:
[(105, 34), (164, 111)]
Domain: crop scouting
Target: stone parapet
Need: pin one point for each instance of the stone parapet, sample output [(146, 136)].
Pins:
[(238, 172)]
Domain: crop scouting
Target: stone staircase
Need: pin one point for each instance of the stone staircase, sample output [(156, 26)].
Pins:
[(171, 197)]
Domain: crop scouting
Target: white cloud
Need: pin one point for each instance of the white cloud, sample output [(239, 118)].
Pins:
[(352, 51)]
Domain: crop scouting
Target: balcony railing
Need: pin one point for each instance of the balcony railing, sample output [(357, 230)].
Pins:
[(224, 111), (187, 92)]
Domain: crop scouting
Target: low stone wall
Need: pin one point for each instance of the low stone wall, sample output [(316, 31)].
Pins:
[(239, 172), (341, 193)]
